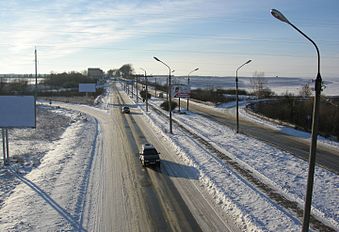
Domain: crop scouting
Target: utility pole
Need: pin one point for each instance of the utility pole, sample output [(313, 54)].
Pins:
[(236, 93), (36, 81), (188, 84), (136, 88), (315, 127), (168, 93), (7, 146), (132, 89), (155, 86), (146, 88), (36, 69), (4, 146)]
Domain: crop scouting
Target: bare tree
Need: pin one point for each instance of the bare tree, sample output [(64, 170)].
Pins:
[(306, 91), (260, 85)]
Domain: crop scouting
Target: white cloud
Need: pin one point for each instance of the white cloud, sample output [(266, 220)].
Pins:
[(65, 27)]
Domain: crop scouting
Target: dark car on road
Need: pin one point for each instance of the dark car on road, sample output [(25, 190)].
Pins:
[(149, 155), (126, 109)]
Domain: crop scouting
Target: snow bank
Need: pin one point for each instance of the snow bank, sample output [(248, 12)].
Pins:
[(52, 195)]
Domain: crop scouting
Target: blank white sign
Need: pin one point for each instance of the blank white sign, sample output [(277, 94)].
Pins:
[(87, 87), (17, 112)]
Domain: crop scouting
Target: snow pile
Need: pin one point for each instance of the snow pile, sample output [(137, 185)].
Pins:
[(279, 169), (28, 146), (57, 185)]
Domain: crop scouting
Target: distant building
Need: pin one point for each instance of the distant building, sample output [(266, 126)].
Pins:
[(95, 73)]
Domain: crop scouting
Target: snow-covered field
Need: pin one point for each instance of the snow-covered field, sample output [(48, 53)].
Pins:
[(39, 192), (32, 191)]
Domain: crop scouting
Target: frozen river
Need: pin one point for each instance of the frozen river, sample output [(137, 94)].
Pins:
[(277, 84)]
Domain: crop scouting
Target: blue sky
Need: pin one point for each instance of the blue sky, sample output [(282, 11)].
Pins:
[(216, 36)]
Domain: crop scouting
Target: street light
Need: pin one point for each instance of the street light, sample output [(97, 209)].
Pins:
[(236, 92), (168, 92), (188, 83), (172, 71), (132, 85), (315, 121), (136, 88), (146, 89)]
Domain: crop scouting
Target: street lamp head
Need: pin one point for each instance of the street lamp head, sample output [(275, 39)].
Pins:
[(156, 58), (196, 69), (248, 61), (278, 15)]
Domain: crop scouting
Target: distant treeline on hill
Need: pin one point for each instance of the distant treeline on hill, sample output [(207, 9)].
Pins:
[(22, 76), (66, 80), (56, 84)]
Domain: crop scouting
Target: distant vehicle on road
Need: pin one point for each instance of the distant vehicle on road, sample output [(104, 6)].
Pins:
[(149, 155), (126, 109)]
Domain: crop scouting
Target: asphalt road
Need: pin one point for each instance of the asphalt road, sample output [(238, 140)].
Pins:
[(326, 157), (124, 196)]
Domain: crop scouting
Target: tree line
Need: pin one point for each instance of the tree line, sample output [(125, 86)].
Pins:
[(298, 111), (54, 84)]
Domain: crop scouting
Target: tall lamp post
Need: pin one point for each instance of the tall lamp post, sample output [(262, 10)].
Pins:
[(188, 83), (146, 89), (172, 71), (315, 120), (155, 86), (236, 92), (169, 92), (132, 86), (136, 88)]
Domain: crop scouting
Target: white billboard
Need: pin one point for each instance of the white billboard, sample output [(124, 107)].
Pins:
[(87, 87), (17, 112), (180, 90)]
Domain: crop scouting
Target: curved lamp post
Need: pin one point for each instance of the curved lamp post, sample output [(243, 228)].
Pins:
[(146, 89), (188, 84), (169, 92), (155, 86), (136, 88), (172, 71), (236, 92), (315, 121)]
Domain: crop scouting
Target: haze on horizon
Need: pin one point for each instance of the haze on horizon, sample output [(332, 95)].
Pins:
[(217, 36)]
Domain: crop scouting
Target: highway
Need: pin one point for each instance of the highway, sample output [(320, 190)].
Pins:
[(124, 196)]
